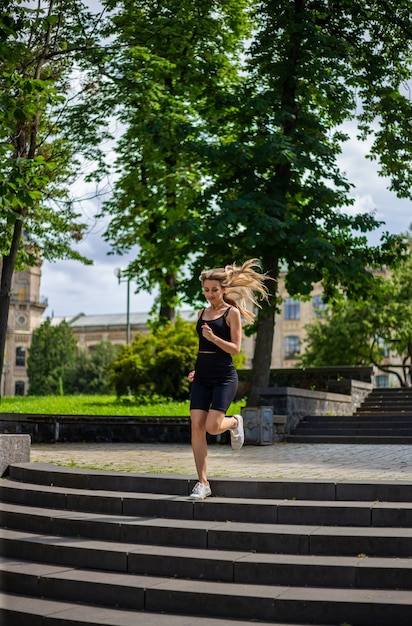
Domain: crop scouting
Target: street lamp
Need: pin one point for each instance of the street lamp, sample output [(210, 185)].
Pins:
[(119, 273), (6, 370)]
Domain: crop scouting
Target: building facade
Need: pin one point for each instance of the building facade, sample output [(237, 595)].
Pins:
[(25, 314)]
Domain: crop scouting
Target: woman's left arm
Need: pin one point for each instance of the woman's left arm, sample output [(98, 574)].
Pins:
[(235, 324)]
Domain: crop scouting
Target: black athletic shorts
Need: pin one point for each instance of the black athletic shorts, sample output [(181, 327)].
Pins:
[(215, 382)]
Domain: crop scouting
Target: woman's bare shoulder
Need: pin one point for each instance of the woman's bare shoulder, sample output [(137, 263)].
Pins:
[(233, 314)]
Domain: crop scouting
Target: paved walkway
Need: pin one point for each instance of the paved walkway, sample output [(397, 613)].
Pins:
[(306, 461)]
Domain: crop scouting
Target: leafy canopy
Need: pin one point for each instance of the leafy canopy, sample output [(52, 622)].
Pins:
[(53, 349), (375, 330), (170, 61)]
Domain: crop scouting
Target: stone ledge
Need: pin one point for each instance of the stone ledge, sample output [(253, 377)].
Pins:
[(296, 404), (13, 449)]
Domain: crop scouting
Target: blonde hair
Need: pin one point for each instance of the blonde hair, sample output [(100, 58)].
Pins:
[(240, 284)]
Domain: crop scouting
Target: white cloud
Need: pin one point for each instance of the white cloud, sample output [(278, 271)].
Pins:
[(371, 191), (73, 288)]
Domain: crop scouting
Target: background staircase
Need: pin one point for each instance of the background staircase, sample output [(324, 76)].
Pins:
[(384, 417), (93, 548)]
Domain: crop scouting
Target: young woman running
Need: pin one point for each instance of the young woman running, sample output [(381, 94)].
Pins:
[(214, 379)]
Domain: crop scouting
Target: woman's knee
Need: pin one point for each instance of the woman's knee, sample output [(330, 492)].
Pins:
[(198, 421), (214, 422)]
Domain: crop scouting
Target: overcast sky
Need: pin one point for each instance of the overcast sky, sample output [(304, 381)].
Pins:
[(72, 288)]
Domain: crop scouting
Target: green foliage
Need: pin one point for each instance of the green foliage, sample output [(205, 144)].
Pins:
[(90, 372), (39, 146), (239, 360), (52, 351), (157, 363), (343, 338), (276, 192), (277, 187), (169, 63), (358, 331), (231, 140)]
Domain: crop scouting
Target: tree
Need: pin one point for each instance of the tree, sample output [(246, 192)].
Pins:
[(39, 117), (157, 363), (277, 193), (344, 337), (53, 350), (361, 332), (396, 319), (172, 59), (90, 373)]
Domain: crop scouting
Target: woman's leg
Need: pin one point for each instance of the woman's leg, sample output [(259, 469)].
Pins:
[(199, 444), (216, 422)]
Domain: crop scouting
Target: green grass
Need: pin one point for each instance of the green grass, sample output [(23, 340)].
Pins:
[(97, 405)]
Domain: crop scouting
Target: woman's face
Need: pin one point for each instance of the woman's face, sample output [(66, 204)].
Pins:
[(213, 291)]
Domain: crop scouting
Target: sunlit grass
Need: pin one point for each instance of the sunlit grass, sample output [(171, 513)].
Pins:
[(98, 405)]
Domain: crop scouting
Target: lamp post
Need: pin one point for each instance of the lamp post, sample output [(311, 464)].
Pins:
[(119, 273), (6, 370)]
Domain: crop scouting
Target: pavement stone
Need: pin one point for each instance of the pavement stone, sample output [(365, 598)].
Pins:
[(285, 461)]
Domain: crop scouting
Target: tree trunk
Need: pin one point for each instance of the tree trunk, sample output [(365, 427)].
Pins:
[(263, 352), (167, 311), (7, 269), (281, 182)]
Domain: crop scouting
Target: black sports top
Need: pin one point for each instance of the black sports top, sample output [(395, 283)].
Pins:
[(219, 327)]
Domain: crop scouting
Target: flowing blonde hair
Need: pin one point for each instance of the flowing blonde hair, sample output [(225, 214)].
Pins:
[(240, 284)]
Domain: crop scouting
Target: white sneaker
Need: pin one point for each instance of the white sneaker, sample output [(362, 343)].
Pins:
[(237, 435), (200, 492)]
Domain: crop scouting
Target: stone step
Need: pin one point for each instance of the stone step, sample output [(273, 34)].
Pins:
[(25, 610), (383, 409), (47, 474), (276, 511), (106, 539), (350, 439), (388, 403), (392, 392), (361, 419), (218, 535), (351, 430), (367, 425), (207, 599), (359, 571), (391, 403)]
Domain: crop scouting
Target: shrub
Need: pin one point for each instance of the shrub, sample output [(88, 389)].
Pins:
[(53, 350), (90, 373), (157, 363)]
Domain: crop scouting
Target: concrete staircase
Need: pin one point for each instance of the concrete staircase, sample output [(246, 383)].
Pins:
[(93, 548), (385, 417)]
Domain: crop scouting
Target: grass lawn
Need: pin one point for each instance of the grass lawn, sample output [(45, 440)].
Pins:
[(97, 405)]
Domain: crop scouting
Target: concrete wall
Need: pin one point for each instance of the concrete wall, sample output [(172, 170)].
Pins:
[(13, 449), (296, 404)]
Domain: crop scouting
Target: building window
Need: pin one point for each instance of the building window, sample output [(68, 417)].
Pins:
[(319, 306), (20, 356), (21, 292), (292, 309), (382, 380), (292, 347), (384, 347), (19, 388)]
